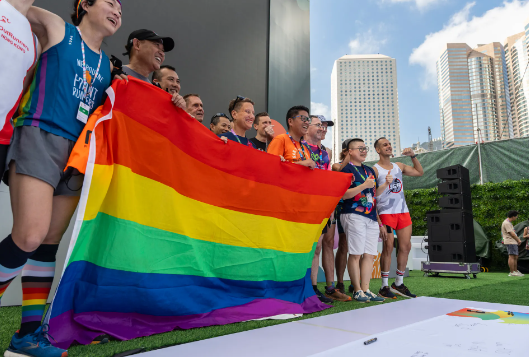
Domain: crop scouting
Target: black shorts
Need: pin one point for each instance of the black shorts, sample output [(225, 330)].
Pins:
[(327, 226), (3, 156)]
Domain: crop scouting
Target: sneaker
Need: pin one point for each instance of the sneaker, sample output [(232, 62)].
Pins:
[(402, 290), (100, 340), (386, 293), (360, 296), (340, 287), (336, 295), (512, 274), (35, 344), (372, 297), (517, 273), (322, 297)]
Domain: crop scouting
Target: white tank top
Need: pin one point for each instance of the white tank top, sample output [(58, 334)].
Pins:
[(392, 200), (18, 53)]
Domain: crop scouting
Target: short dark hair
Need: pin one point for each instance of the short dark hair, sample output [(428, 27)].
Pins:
[(237, 104), (376, 142), (292, 112), (158, 73), (187, 96), (355, 140), (79, 12), (512, 214), (215, 120), (258, 116)]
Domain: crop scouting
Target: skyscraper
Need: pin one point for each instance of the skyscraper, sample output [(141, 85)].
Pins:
[(364, 101), (473, 94), (517, 60)]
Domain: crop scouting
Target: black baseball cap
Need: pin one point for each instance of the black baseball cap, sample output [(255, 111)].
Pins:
[(143, 34)]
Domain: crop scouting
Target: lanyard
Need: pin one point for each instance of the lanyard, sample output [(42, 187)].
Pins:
[(236, 136), (362, 176), (320, 163), (302, 155), (87, 85)]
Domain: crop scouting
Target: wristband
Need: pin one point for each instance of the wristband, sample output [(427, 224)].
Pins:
[(413, 157), (380, 225), (117, 64)]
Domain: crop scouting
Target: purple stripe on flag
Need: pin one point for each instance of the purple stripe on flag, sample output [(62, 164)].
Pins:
[(41, 89), (84, 327)]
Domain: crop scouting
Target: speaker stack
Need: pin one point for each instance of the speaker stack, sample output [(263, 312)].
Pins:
[(451, 230)]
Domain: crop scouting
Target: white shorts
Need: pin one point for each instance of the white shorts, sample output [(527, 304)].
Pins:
[(362, 233)]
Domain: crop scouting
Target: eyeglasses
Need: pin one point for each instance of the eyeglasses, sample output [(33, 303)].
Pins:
[(319, 126), (219, 115), (303, 118), (361, 149)]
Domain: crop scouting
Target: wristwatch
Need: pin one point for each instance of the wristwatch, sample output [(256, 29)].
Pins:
[(413, 157)]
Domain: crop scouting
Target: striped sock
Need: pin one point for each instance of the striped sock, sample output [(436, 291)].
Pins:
[(399, 280), (385, 277), (37, 278), (12, 260)]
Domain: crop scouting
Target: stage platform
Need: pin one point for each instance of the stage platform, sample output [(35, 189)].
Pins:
[(321, 334)]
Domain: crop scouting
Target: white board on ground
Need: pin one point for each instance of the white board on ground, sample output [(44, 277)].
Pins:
[(446, 336)]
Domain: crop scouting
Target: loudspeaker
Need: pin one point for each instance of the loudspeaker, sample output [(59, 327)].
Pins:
[(462, 252), (458, 201), (453, 172), (454, 187), (451, 236)]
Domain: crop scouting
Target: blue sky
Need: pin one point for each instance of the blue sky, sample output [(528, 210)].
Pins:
[(413, 32)]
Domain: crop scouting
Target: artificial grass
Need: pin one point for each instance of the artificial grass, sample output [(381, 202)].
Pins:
[(488, 287)]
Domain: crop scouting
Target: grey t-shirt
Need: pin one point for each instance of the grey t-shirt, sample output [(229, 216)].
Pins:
[(129, 72)]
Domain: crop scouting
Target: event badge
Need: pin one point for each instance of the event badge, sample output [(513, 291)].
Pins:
[(82, 113), (369, 197)]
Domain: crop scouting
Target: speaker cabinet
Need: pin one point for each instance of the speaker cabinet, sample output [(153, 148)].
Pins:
[(451, 187), (453, 172), (458, 201)]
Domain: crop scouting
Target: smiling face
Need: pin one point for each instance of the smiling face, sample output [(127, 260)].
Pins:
[(264, 121), (150, 53), (357, 151), (324, 126), (299, 124), (169, 81), (384, 147), (244, 117), (223, 126), (105, 15), (315, 131)]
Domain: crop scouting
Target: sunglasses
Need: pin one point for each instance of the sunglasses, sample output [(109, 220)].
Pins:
[(220, 115)]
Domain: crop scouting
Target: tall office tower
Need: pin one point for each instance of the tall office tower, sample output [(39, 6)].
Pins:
[(364, 101), (516, 58), (473, 94)]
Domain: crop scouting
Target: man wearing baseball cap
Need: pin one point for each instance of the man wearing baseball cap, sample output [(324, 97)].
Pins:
[(146, 51), (325, 124)]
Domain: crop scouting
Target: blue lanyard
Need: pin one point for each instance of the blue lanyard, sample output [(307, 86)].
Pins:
[(300, 144)]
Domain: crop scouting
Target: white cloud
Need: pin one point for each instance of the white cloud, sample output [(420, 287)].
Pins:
[(366, 43), (421, 4), (320, 109), (495, 25)]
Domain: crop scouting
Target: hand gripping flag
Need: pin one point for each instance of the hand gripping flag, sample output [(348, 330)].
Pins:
[(176, 229)]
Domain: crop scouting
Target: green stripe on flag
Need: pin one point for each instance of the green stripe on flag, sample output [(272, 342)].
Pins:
[(114, 243)]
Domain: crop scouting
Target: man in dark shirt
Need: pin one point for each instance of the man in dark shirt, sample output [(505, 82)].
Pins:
[(265, 131), (220, 124), (243, 114)]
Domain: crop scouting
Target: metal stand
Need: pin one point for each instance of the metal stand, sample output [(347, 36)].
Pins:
[(434, 269)]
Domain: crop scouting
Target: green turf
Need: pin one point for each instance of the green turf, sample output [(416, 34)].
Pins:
[(489, 287)]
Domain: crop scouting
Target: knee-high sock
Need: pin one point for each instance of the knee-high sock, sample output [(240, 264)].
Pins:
[(37, 277), (12, 260)]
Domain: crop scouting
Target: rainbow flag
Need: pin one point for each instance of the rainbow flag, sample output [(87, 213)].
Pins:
[(177, 230)]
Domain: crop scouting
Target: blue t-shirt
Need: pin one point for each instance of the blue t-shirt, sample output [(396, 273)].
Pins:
[(364, 203), (238, 139)]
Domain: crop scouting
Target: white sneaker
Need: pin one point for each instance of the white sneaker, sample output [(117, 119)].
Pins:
[(518, 273), (511, 274)]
